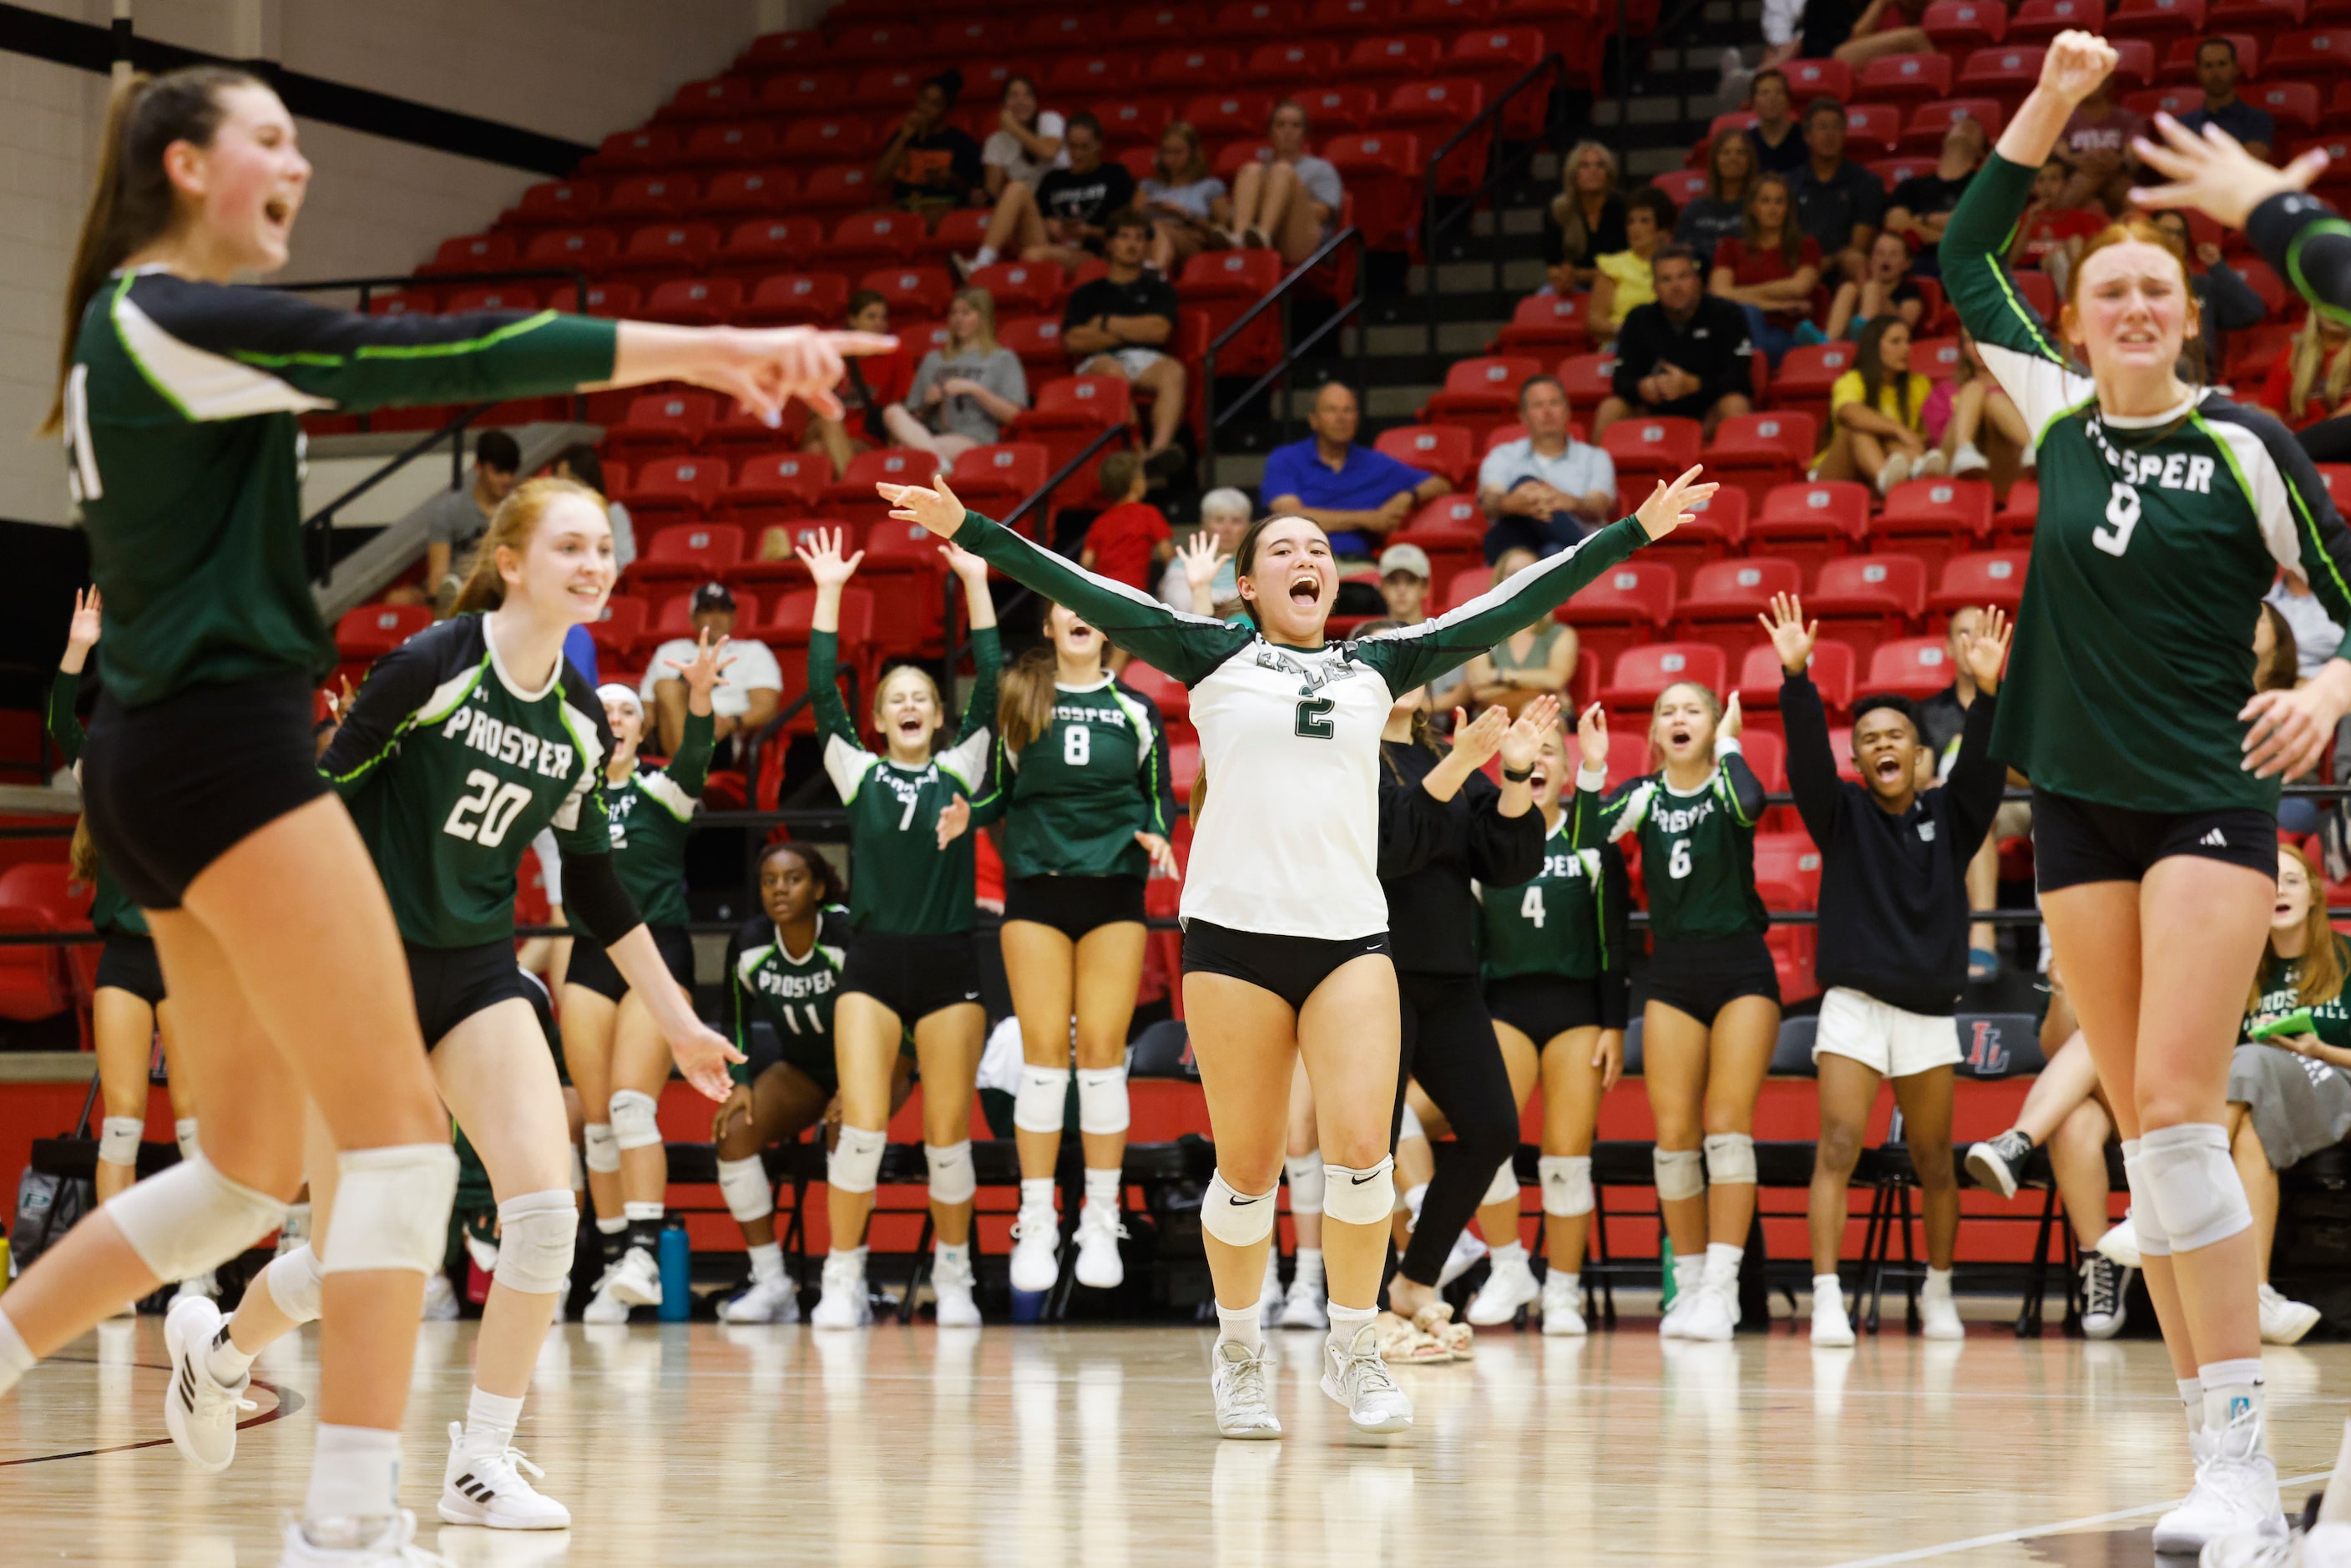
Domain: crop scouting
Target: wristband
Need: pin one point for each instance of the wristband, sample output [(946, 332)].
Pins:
[(1518, 776)]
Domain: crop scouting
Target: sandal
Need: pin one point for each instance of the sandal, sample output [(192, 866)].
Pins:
[(1435, 1321), (1401, 1345)]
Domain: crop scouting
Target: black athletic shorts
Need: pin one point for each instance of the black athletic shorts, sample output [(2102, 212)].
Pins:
[(1289, 967), (1544, 1007), (591, 966), (2076, 842), (914, 976), (813, 1058), (171, 787), (1702, 975), (452, 984), (128, 963), (1074, 905)]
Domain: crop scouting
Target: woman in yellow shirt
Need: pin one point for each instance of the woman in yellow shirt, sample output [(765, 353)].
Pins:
[(1876, 434), (1622, 277)]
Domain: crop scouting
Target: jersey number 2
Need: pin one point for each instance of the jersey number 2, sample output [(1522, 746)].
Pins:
[(485, 815), (2114, 536), (1314, 718)]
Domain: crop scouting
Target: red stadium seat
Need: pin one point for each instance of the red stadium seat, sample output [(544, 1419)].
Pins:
[(2013, 524), (1872, 128), (1625, 606), (852, 497), (2310, 54), (1640, 675), (1219, 115), (882, 88), (655, 147), (1480, 394), (1988, 577), (918, 292), (590, 250), (718, 98), (497, 297), (665, 424), (1726, 596), (2154, 18), (1812, 522), (1451, 518), (1435, 110), (772, 52), (2038, 21), (1866, 600), (2267, 19), (1587, 378), (764, 247), (1071, 411), (1646, 448), (1685, 186), (1497, 57), (2294, 104), (837, 188), (1545, 324), (695, 301), (1383, 174), (371, 631), (821, 139), (1936, 359), (1914, 667), (1935, 518), (1254, 19), (699, 552), (747, 141), (2172, 100), (1074, 76), (1159, 25), (620, 629), (796, 300), (996, 479), (1282, 66), (1955, 22), (1132, 122), (790, 95), (472, 253), (1933, 122), (1809, 79), (564, 204), (668, 248), (775, 486), (1758, 451), (1789, 859), (1383, 62), (1020, 285), (1222, 285), (35, 982), (1038, 341), (740, 195), (1906, 78), (1831, 671), (1445, 449), (860, 42), (652, 198), (1806, 374), (909, 613), (674, 489), (1195, 68), (2133, 62), (1347, 19), (872, 239)]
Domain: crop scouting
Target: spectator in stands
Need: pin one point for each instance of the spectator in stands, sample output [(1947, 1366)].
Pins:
[(2314, 638), (1827, 29), (2225, 302), (455, 520), (1543, 491), (1776, 138), (1026, 143), (1289, 199), (749, 690), (1225, 515), (2216, 73), (1533, 662), (1714, 217), (1625, 282), (1876, 425), (2311, 376), (2051, 232), (1975, 425), (1357, 494), (1586, 220), (2096, 146), (1942, 719), (579, 462), (966, 393), (1770, 270), (1684, 353), (1122, 324), (1063, 218), (873, 387), (2290, 1088), (1130, 536), (928, 164), (1921, 205), (2276, 668), (1405, 576), (1838, 203), (1886, 289), (1188, 206)]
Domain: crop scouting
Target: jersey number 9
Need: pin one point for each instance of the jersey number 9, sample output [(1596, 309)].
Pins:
[(2122, 517), (485, 815)]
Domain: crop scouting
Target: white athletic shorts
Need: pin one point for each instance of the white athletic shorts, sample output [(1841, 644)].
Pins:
[(1881, 1035), (1134, 362)]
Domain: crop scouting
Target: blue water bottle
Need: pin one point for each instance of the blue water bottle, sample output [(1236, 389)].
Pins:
[(677, 1272)]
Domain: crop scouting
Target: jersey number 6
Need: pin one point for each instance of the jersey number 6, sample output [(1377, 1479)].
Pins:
[(1314, 718), (485, 815)]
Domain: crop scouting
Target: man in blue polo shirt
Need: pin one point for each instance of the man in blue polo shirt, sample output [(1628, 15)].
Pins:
[(1356, 494), (2216, 73)]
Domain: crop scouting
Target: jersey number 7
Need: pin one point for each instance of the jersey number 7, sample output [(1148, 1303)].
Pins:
[(1314, 718)]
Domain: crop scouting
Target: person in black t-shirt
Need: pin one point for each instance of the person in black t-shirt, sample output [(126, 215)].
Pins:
[(1922, 204), (1941, 717), (1686, 353), (927, 162), (1838, 202), (1063, 218), (1122, 324)]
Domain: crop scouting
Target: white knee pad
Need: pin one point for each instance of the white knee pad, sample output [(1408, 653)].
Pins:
[(1102, 1100), (1354, 1196), (634, 1123), (117, 1140), (391, 1208), (602, 1154), (1305, 1172), (184, 1130), (536, 1233), (190, 1218), (2197, 1193), (2145, 1220), (953, 1180), (1504, 1187), (1037, 1104), (855, 1163), (1566, 1185), (1410, 1127), (293, 1282), (743, 1184), (1233, 1217), (1680, 1173), (1730, 1158)]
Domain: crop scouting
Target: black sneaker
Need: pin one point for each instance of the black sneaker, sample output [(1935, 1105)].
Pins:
[(1997, 1165), (2102, 1285)]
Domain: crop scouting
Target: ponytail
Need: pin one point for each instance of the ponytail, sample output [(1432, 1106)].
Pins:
[(511, 527), (82, 854), (132, 203), (1024, 699)]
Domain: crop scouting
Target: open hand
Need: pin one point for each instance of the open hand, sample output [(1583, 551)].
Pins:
[(934, 506), (767, 367), (1475, 741), (1608, 1056), (1592, 738), (702, 1057), (954, 821), (1733, 721), (1161, 853), (81, 632), (701, 672), (2290, 729), (1523, 741), (2214, 173), (966, 566), (1984, 650), (822, 551), (1790, 638), (1668, 506), (1202, 561)]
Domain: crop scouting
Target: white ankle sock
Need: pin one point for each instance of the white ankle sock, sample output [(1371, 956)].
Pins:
[(1346, 1322), (1309, 1267), (354, 1476), (1101, 1185), (959, 1253), (1240, 1324), (1722, 1262), (983, 256), (490, 1419), (1036, 1192), (16, 1360), (767, 1262), (1939, 1281), (2191, 1396), (1510, 1251), (1827, 1288), (226, 1363), (612, 1226), (1688, 1274), (1574, 1281), (2230, 1387), (2336, 1506)]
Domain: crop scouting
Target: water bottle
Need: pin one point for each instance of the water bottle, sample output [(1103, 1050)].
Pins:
[(1665, 1264), (677, 1272)]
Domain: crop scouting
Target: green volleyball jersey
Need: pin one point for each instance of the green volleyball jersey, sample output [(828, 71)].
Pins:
[(451, 768), (1072, 800), (793, 992), (184, 456), (2280, 993), (110, 908), (1556, 924), (2156, 540), (905, 885), (651, 811), (1697, 850)]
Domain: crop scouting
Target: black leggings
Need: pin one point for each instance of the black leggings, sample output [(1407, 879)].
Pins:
[(1448, 1045)]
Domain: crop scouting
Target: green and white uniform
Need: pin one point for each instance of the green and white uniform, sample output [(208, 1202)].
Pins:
[(651, 813), (793, 993), (110, 910), (1074, 798), (1554, 950), (2299, 1104)]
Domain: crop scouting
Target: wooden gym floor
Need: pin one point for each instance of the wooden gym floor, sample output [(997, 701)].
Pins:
[(1036, 1448)]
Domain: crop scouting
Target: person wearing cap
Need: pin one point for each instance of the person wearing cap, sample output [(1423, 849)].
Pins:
[(750, 690), (1356, 495), (1540, 491), (1405, 574)]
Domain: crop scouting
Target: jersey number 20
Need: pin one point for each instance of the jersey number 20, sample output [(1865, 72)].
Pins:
[(485, 815)]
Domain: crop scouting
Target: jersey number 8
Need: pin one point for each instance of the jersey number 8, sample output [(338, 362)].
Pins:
[(1077, 745), (485, 815)]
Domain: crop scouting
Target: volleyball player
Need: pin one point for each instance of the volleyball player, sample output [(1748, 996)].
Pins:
[(2166, 513), (1893, 941), (910, 964), (1080, 780), (463, 743), (177, 394), (1285, 926), (1713, 1014), (1555, 948), (618, 1059)]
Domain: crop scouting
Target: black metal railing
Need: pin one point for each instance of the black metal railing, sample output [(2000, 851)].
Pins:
[(1549, 74), (1282, 297)]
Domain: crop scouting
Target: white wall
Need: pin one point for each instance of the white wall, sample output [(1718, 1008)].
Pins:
[(573, 68)]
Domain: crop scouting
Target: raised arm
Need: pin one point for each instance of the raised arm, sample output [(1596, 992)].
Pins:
[(82, 635), (1811, 759), (1741, 789), (968, 758), (689, 769), (831, 571)]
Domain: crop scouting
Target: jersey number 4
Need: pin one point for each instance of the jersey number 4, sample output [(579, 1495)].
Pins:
[(1314, 718), (1531, 907), (485, 815)]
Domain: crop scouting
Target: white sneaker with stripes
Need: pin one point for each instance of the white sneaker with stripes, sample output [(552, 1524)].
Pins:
[(486, 1486)]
